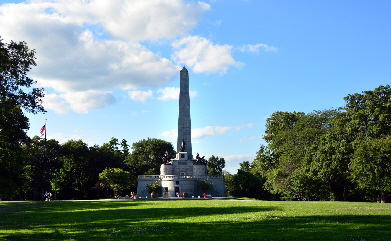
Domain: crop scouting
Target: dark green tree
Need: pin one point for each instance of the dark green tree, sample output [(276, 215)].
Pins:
[(16, 59), (40, 172), (264, 162), (146, 156), (246, 184), (369, 113), (77, 174), (205, 185), (290, 136), (115, 179), (371, 166), (365, 117), (215, 165)]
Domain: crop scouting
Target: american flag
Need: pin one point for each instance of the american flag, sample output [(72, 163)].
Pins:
[(43, 129)]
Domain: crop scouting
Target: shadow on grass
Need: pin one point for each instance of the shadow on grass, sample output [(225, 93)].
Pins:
[(146, 220)]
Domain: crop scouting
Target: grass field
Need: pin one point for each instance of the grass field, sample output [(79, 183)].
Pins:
[(194, 220)]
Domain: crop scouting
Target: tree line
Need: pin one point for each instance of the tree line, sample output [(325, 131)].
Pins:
[(336, 154), (74, 170)]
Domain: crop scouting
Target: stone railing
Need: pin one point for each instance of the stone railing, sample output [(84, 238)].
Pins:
[(155, 177)]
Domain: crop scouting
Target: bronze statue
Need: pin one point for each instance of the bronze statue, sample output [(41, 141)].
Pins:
[(183, 146), (200, 160), (166, 158)]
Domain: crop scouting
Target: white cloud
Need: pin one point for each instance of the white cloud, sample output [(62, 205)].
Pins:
[(239, 158), (102, 65), (147, 20), (232, 163), (168, 93), (214, 130), (140, 95), (70, 58), (136, 20), (173, 134), (93, 45), (80, 102), (56, 103), (256, 48), (172, 93), (209, 131), (203, 56), (244, 126), (201, 132)]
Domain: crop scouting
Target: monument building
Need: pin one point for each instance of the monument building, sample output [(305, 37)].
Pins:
[(182, 174)]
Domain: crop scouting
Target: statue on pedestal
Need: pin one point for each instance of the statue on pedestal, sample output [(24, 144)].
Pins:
[(183, 146), (166, 158), (200, 160)]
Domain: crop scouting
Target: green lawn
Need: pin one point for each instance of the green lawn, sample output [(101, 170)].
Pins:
[(194, 220)]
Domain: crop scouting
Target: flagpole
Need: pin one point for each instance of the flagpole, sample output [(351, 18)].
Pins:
[(44, 161), (45, 138)]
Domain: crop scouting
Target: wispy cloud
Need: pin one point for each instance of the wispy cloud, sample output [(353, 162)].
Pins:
[(140, 95), (81, 102), (203, 56), (232, 163), (172, 93), (173, 134), (198, 133), (258, 47), (249, 138), (201, 132)]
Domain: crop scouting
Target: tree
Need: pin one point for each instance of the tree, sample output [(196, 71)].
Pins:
[(371, 166), (77, 174), (328, 161), (369, 114), (365, 117), (264, 161), (146, 156), (205, 185), (215, 165), (40, 169), (245, 183), (115, 179), (15, 61), (153, 187), (290, 136)]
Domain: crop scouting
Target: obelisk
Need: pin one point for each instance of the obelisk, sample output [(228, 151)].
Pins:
[(184, 122)]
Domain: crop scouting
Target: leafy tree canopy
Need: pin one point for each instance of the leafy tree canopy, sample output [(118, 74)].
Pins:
[(146, 156), (16, 60), (115, 179), (215, 165)]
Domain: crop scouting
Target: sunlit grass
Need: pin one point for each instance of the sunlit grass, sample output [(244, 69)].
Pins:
[(195, 219)]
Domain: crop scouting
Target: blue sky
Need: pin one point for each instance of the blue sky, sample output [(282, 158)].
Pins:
[(110, 68)]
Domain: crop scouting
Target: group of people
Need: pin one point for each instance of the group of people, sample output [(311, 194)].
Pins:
[(133, 195), (47, 196)]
